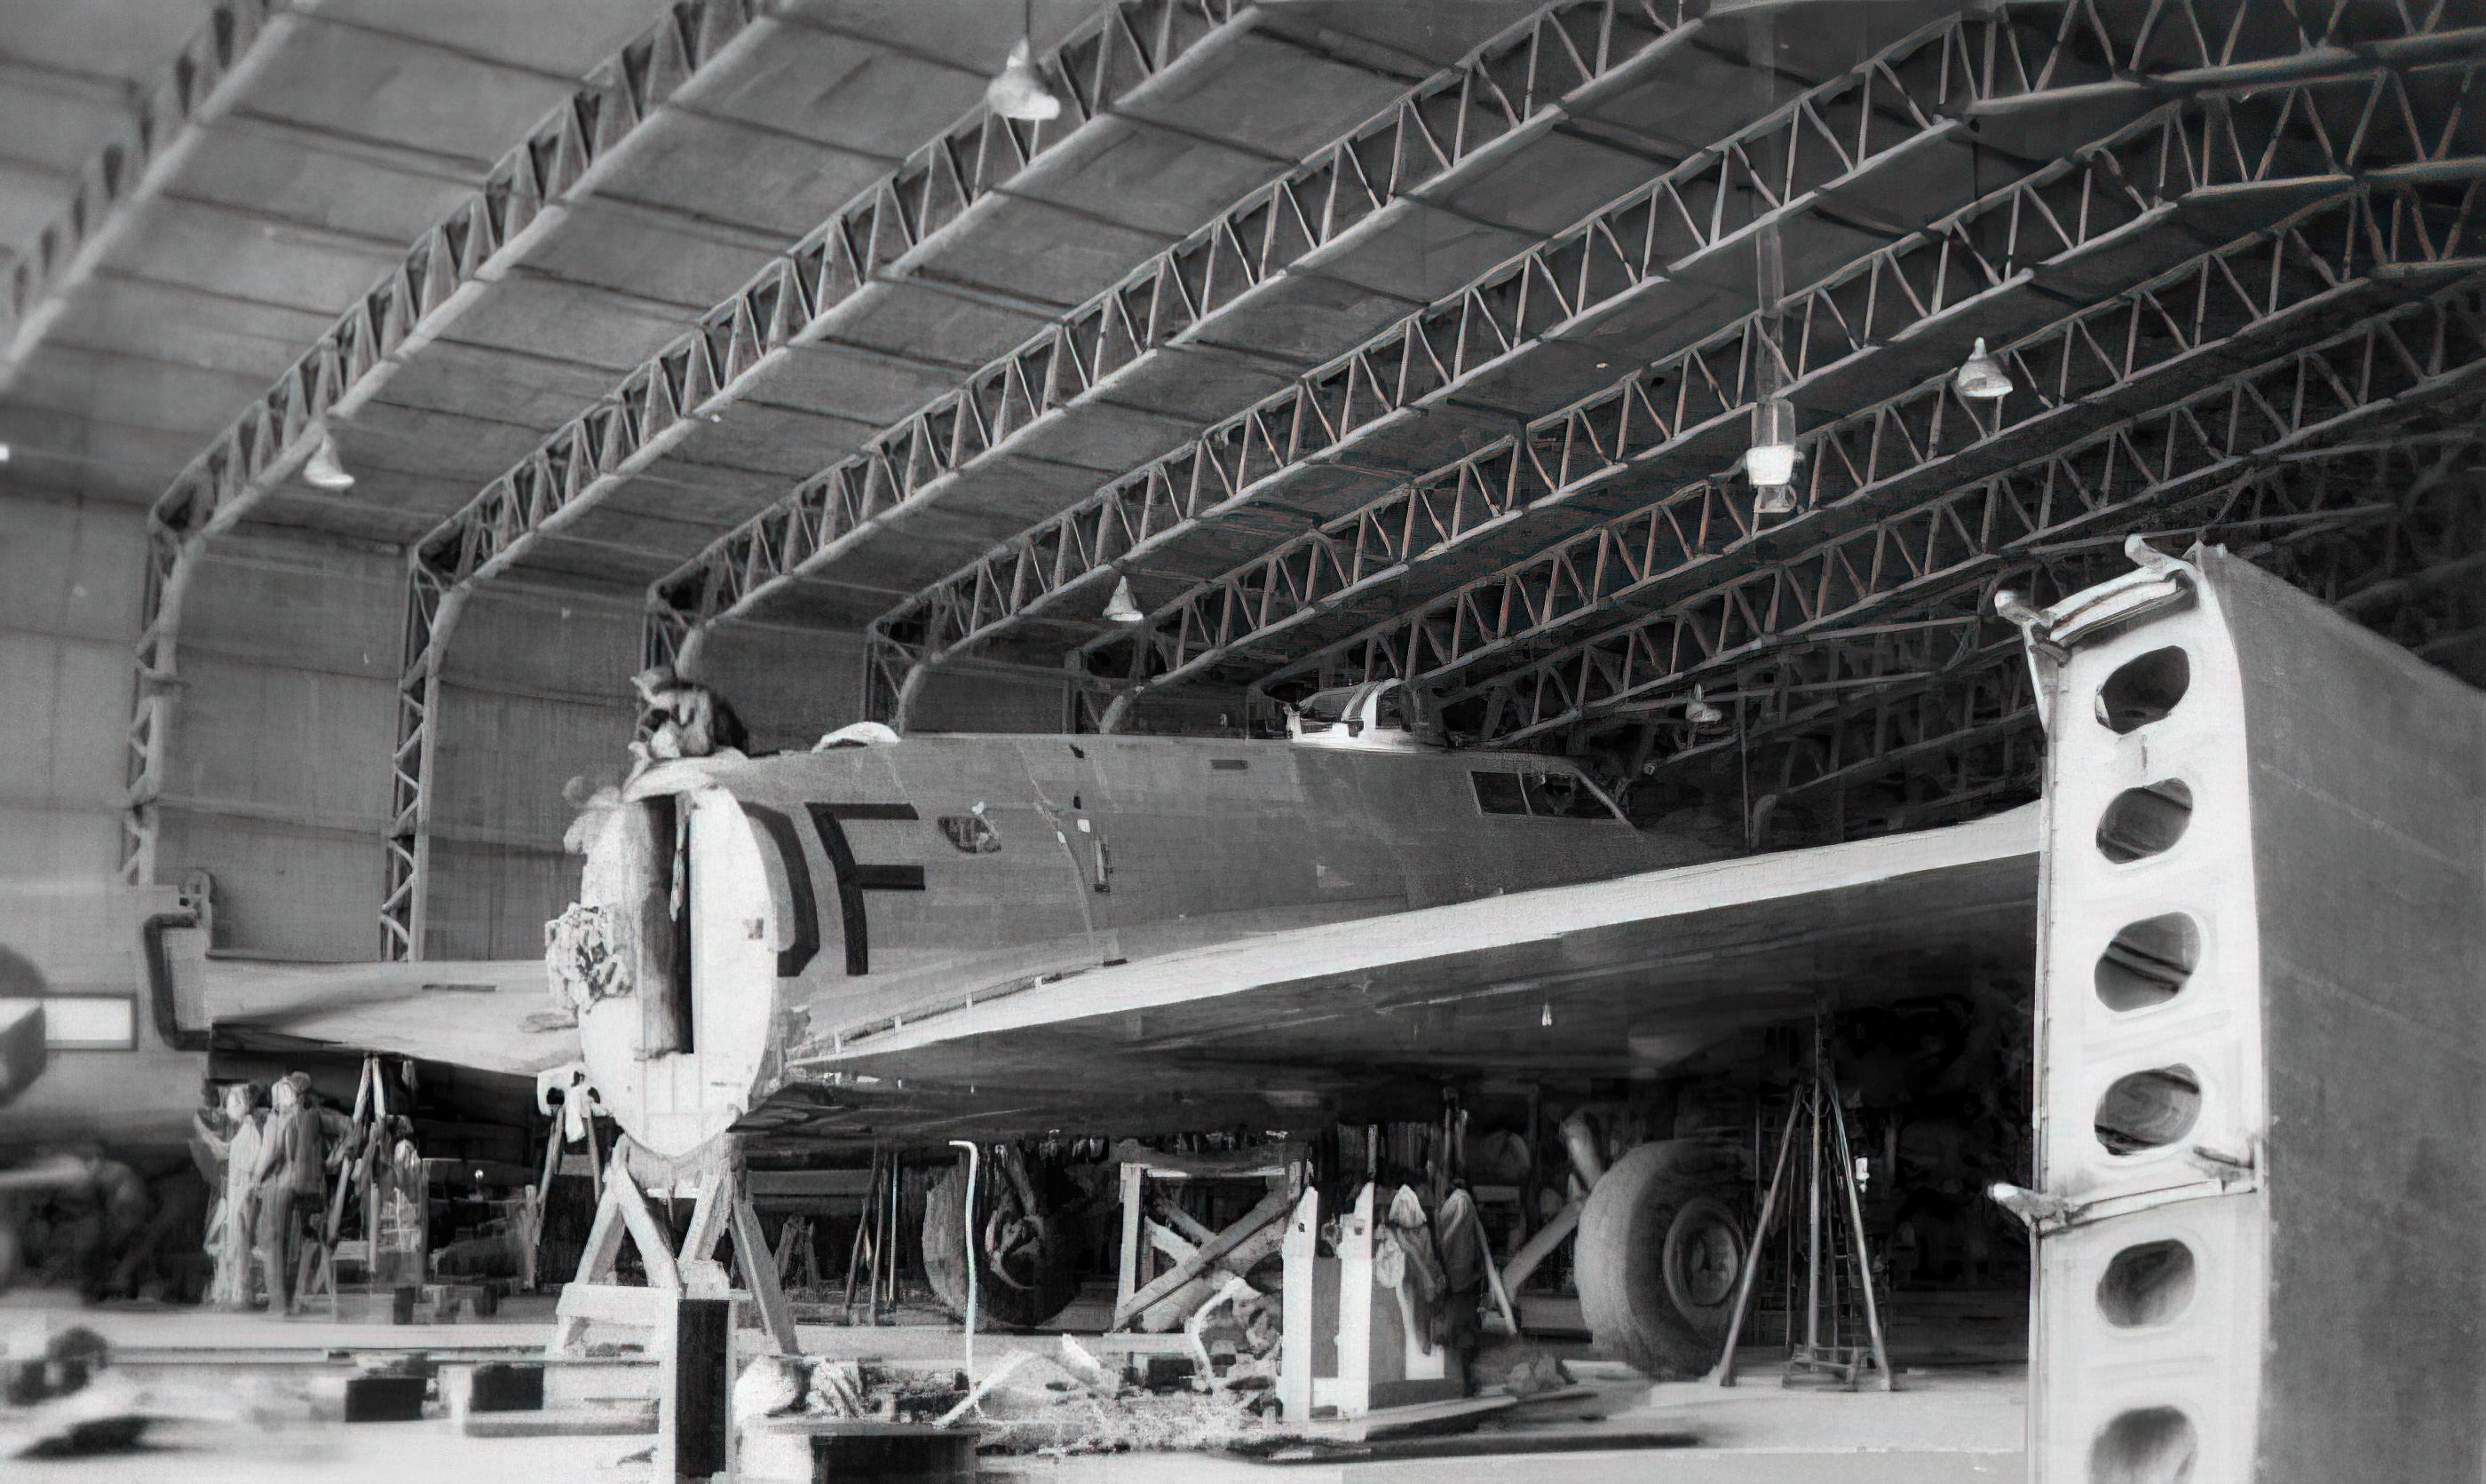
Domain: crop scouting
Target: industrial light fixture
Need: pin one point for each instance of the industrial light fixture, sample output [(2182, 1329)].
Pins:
[(326, 470), (4, 453), (1700, 713), (1121, 607), (1770, 460), (1982, 376), (1020, 92)]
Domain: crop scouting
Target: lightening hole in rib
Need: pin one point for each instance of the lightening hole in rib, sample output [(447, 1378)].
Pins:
[(2148, 962), (2148, 1109), (2146, 1285), (2142, 822), (2146, 1446), (2143, 690)]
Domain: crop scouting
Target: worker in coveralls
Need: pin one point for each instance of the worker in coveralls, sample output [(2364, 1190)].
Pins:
[(290, 1177)]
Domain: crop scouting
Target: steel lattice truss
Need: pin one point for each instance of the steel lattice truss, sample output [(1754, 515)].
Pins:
[(2099, 373), (1876, 309), (1932, 716), (151, 718), (793, 300), (67, 251), (438, 280), (1685, 416), (2408, 357), (433, 608), (1516, 83), (1830, 135), (2179, 48), (1889, 298)]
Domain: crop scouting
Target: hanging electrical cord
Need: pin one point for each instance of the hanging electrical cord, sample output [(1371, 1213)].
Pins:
[(1770, 457), (1982, 376)]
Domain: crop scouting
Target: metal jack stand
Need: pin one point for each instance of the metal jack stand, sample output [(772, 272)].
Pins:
[(1836, 1358)]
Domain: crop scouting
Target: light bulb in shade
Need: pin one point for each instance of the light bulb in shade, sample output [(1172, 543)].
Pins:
[(1769, 461), (1020, 92), (4, 453), (1121, 607), (326, 470), (1981, 375)]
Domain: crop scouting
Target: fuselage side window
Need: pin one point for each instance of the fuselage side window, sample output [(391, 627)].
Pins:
[(1499, 793), (1564, 796), (90, 1023), (970, 833)]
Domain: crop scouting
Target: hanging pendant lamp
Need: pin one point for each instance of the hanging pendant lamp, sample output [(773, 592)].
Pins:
[(1700, 713), (1121, 607), (1020, 92), (326, 470), (1769, 462), (1982, 376)]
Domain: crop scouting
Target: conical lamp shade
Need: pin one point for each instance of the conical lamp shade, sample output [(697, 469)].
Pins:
[(1121, 607), (1020, 92), (1700, 713), (326, 470), (1981, 375)]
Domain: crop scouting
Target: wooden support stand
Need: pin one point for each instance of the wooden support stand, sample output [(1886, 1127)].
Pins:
[(688, 1317), (1197, 1262), (1345, 1349)]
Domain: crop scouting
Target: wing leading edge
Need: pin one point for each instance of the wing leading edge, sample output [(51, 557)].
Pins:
[(1598, 978)]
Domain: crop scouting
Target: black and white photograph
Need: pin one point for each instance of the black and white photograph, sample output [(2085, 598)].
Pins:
[(1243, 741)]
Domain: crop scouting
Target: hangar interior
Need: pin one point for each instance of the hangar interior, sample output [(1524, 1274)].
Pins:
[(1715, 410)]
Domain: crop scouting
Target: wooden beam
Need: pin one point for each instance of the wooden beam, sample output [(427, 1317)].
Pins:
[(1272, 1207), (1549, 1236), (1300, 1251), (759, 1275), (1165, 1242), (707, 1211), (1193, 1230), (1128, 1281), (655, 1247)]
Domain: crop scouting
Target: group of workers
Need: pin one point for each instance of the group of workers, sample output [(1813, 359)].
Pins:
[(265, 1167)]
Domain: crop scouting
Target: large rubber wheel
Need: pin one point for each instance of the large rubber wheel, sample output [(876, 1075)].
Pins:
[(1662, 1247), (1034, 1292)]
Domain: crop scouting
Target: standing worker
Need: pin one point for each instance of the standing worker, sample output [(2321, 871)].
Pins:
[(290, 1176)]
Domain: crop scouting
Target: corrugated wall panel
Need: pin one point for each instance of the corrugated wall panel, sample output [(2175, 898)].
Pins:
[(71, 573)]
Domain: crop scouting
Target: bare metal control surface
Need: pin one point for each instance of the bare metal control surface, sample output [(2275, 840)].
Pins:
[(2260, 909)]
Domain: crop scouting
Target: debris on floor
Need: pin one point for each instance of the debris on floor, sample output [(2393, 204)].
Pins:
[(1519, 1367), (64, 1402)]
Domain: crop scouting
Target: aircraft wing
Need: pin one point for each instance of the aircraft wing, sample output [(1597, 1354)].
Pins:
[(1602, 978), (490, 1016)]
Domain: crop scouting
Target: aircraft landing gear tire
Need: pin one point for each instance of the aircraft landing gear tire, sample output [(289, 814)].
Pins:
[(1029, 1271), (1662, 1247)]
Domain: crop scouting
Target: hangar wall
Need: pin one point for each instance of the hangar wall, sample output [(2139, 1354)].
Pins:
[(277, 777), (71, 577), (537, 691)]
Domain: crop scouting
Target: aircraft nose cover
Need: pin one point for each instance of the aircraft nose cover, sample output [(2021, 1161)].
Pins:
[(667, 958)]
